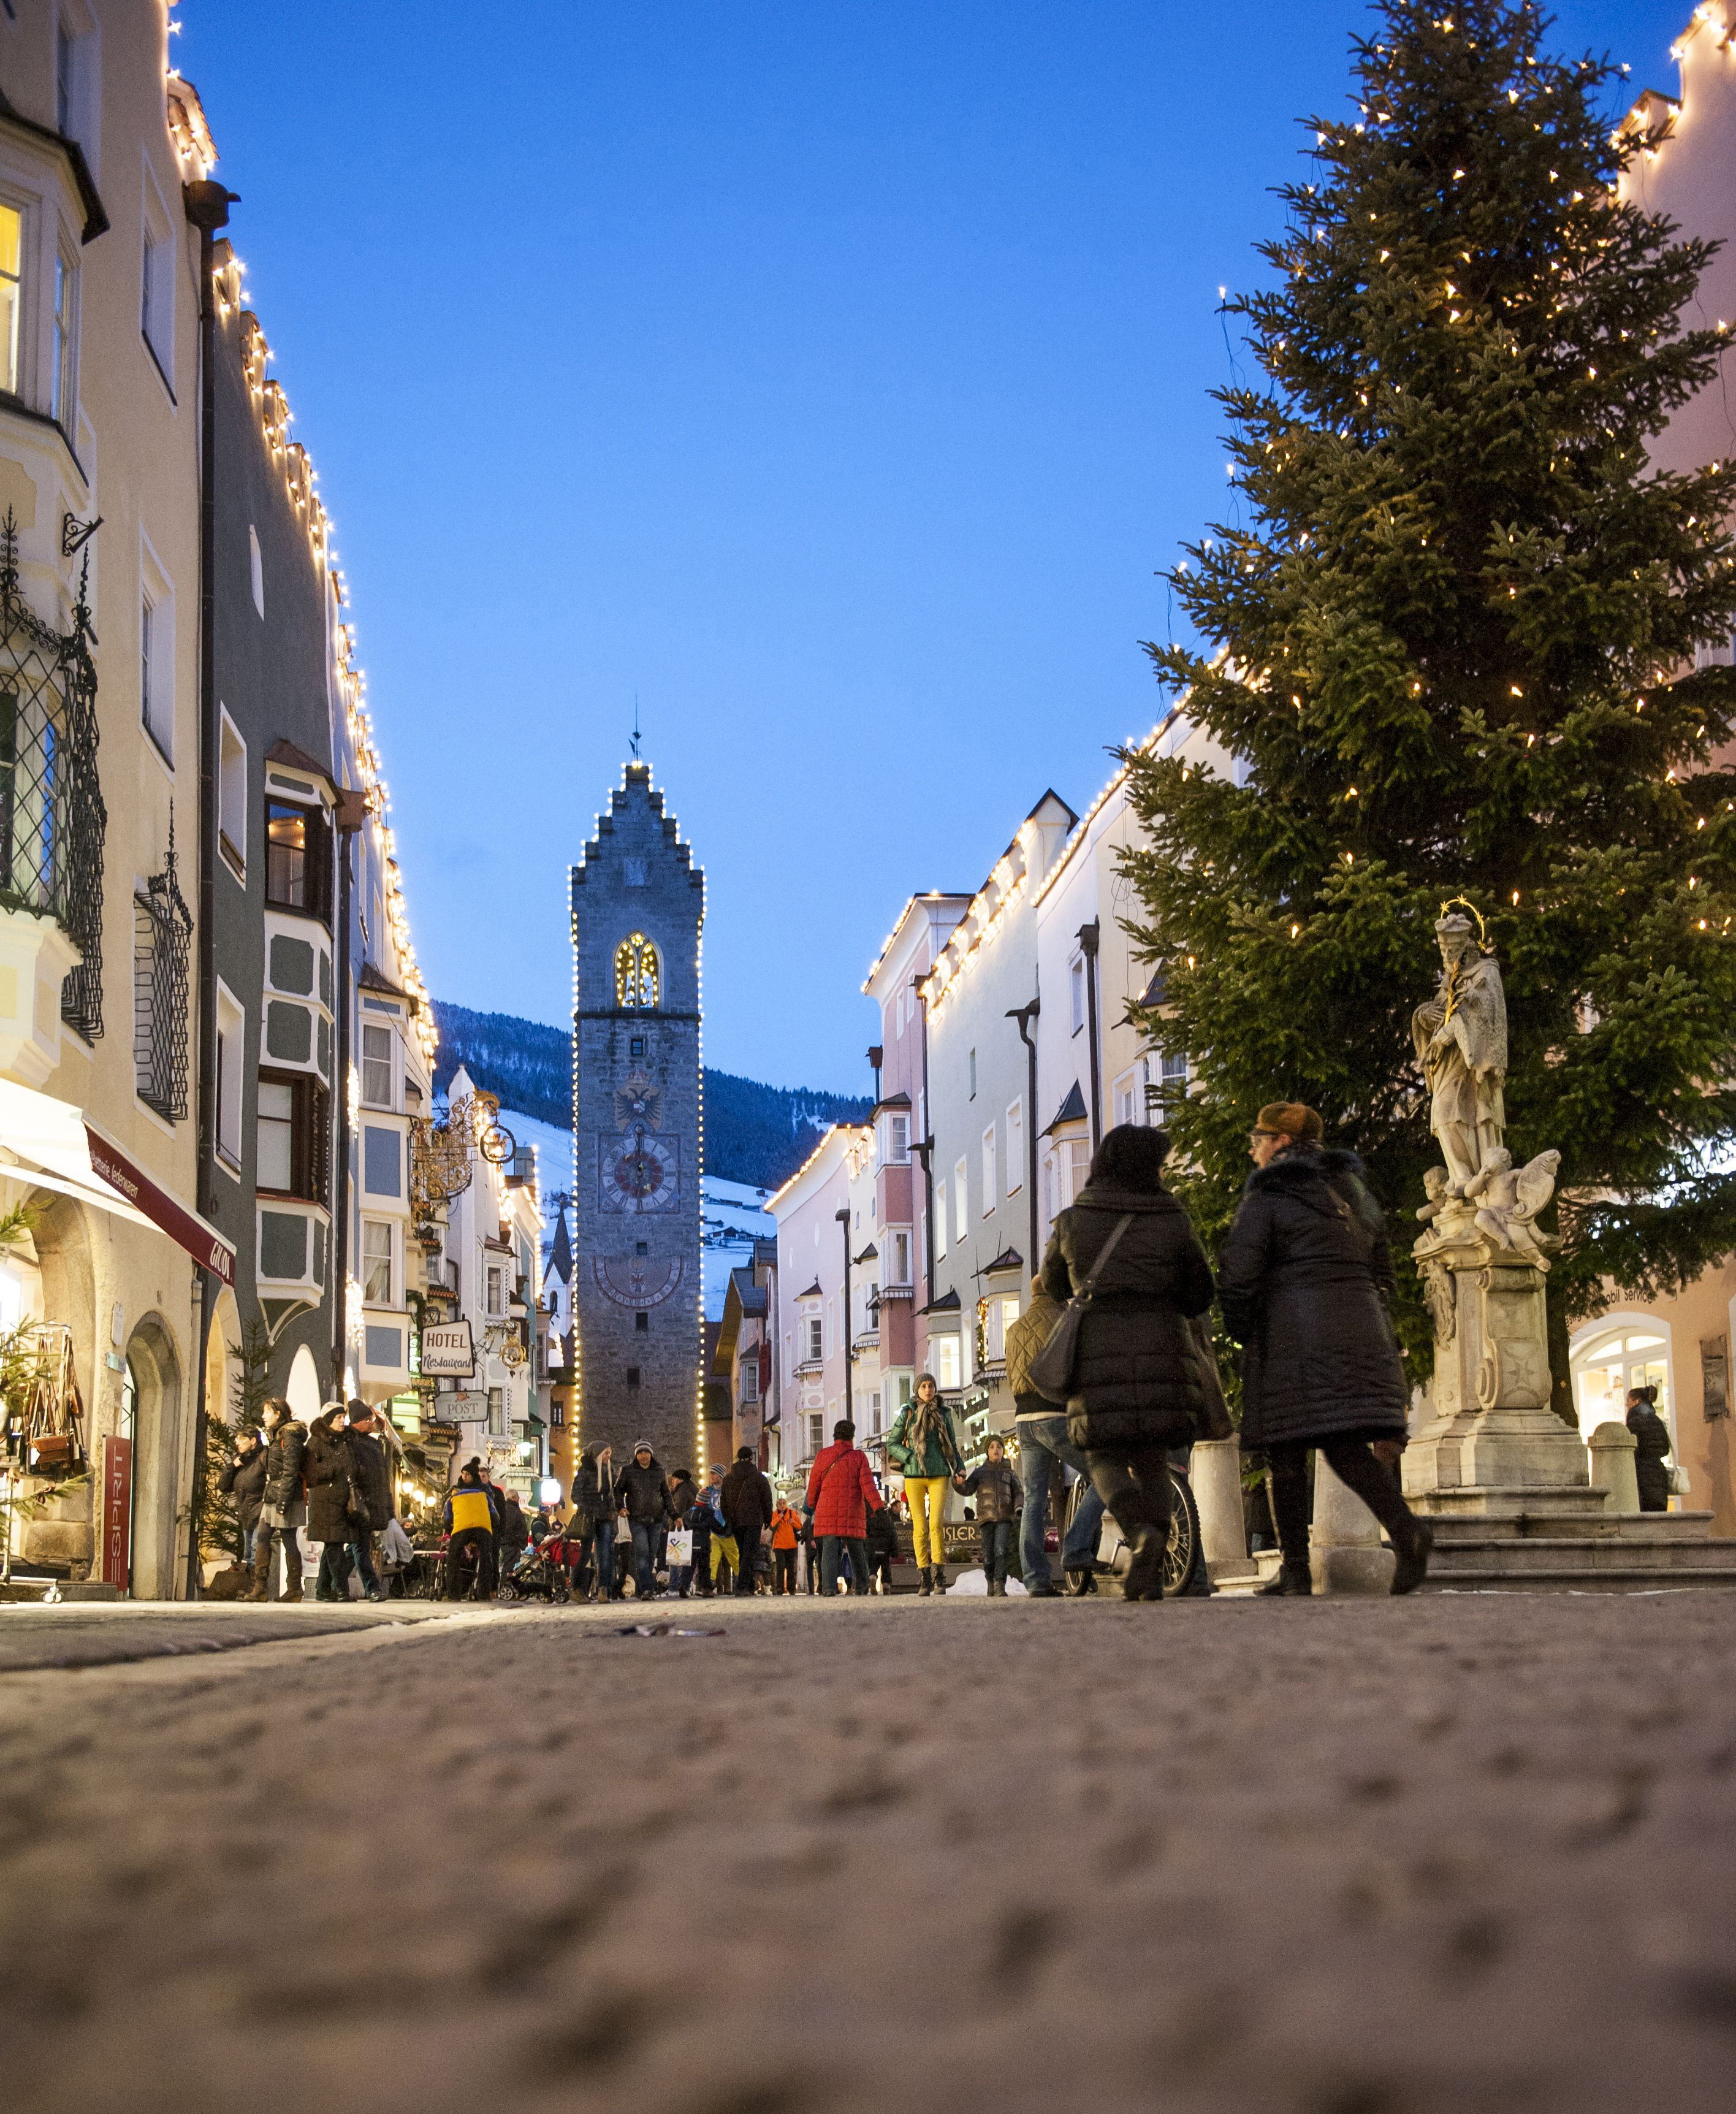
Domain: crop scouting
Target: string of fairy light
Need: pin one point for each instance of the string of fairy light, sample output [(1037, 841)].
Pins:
[(301, 482)]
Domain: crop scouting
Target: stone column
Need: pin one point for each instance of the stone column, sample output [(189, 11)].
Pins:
[(1345, 1550), (1613, 1449), (1215, 1470)]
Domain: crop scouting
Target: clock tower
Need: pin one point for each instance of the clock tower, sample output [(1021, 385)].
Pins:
[(638, 904)]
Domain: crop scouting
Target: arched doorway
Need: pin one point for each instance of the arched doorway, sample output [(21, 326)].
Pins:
[(1619, 1352), (302, 1391), (152, 1378)]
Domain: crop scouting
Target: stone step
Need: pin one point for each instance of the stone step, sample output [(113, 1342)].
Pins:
[(26, 1590), (1633, 1562), (1677, 1530)]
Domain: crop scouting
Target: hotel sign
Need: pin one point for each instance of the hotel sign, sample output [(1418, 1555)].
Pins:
[(447, 1351)]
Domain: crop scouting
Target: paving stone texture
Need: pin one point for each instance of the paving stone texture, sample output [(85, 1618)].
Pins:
[(1354, 1857)]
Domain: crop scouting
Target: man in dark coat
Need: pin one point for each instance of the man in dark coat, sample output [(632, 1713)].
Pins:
[(748, 1505), (645, 1493), (1650, 1449), (333, 1506), (284, 1508), (1137, 1390), (370, 1484), (243, 1480), (1304, 1277)]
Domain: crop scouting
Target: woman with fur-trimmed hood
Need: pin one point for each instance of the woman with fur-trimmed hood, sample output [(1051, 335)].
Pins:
[(1303, 1277)]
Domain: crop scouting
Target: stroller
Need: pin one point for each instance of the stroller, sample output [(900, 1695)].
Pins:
[(540, 1575)]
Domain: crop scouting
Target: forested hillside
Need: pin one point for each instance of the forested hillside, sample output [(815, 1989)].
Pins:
[(753, 1134)]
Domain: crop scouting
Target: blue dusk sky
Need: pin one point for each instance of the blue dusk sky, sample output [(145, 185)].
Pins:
[(833, 377)]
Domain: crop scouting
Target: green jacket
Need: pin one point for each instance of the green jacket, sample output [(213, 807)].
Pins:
[(942, 1457)]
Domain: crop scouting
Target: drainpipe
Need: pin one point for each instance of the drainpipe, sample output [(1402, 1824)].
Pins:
[(925, 1153), (1088, 948), (351, 811), (1025, 1014), (843, 1222), (207, 208)]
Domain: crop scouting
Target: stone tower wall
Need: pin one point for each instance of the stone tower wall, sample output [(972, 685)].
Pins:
[(637, 1135)]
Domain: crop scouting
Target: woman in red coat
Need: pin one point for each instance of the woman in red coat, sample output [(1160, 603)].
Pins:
[(841, 1494)]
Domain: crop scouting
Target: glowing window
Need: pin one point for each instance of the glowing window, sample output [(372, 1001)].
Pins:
[(636, 971)]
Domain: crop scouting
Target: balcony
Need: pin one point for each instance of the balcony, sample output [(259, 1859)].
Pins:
[(53, 822)]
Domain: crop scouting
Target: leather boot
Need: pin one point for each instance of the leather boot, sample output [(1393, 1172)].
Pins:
[(927, 1586), (940, 1578), (1145, 1577), (261, 1588), (1294, 1581), (1413, 1563)]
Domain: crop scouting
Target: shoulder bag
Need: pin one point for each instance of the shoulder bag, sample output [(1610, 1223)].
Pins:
[(1052, 1369)]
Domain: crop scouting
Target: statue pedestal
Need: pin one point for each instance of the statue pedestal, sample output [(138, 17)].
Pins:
[(1492, 1448)]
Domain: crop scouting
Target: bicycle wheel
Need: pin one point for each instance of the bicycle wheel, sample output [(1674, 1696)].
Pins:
[(1184, 1539)]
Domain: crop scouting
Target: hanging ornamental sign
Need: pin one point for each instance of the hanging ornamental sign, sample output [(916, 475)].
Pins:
[(441, 1148)]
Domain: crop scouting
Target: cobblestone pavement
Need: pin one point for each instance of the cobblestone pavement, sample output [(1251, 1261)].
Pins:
[(1358, 1857), (95, 1633)]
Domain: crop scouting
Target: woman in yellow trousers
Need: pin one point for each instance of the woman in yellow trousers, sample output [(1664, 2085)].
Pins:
[(923, 1445)]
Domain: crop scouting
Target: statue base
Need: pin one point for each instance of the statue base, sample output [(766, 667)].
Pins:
[(1491, 1447)]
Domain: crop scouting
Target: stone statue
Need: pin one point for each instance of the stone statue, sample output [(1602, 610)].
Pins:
[(1508, 1199), (1461, 1042)]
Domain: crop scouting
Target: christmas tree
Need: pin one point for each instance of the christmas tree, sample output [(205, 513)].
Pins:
[(1452, 640)]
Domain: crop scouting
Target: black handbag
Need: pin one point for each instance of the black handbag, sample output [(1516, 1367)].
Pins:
[(1052, 1369)]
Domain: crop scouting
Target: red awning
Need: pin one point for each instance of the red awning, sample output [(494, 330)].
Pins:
[(206, 1245)]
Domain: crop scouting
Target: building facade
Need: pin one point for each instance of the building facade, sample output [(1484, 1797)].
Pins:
[(637, 910), (903, 1155), (205, 958), (99, 735), (982, 1004)]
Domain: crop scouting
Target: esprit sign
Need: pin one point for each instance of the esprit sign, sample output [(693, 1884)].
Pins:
[(447, 1352)]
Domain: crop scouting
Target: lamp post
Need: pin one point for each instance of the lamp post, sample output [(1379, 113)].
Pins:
[(844, 1224)]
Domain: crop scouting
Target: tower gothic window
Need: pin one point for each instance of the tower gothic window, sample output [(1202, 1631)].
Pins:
[(636, 972)]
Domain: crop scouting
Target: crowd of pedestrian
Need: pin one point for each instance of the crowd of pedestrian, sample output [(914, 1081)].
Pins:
[(1114, 1378)]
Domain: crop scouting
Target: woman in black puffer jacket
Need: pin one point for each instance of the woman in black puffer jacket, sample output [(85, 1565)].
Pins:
[(1303, 1277), (1137, 1389)]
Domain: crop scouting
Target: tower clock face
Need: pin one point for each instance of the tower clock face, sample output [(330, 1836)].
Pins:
[(638, 1172)]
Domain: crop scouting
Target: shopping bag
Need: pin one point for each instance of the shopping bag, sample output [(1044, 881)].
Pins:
[(681, 1545)]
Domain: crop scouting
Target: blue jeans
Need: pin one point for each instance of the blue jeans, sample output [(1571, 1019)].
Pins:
[(997, 1541), (835, 1550), (362, 1559), (602, 1546), (647, 1535), (1043, 1448)]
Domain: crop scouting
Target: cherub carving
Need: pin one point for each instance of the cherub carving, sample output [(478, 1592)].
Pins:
[(1509, 1199)]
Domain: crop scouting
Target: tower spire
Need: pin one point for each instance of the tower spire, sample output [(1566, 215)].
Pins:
[(635, 727)]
